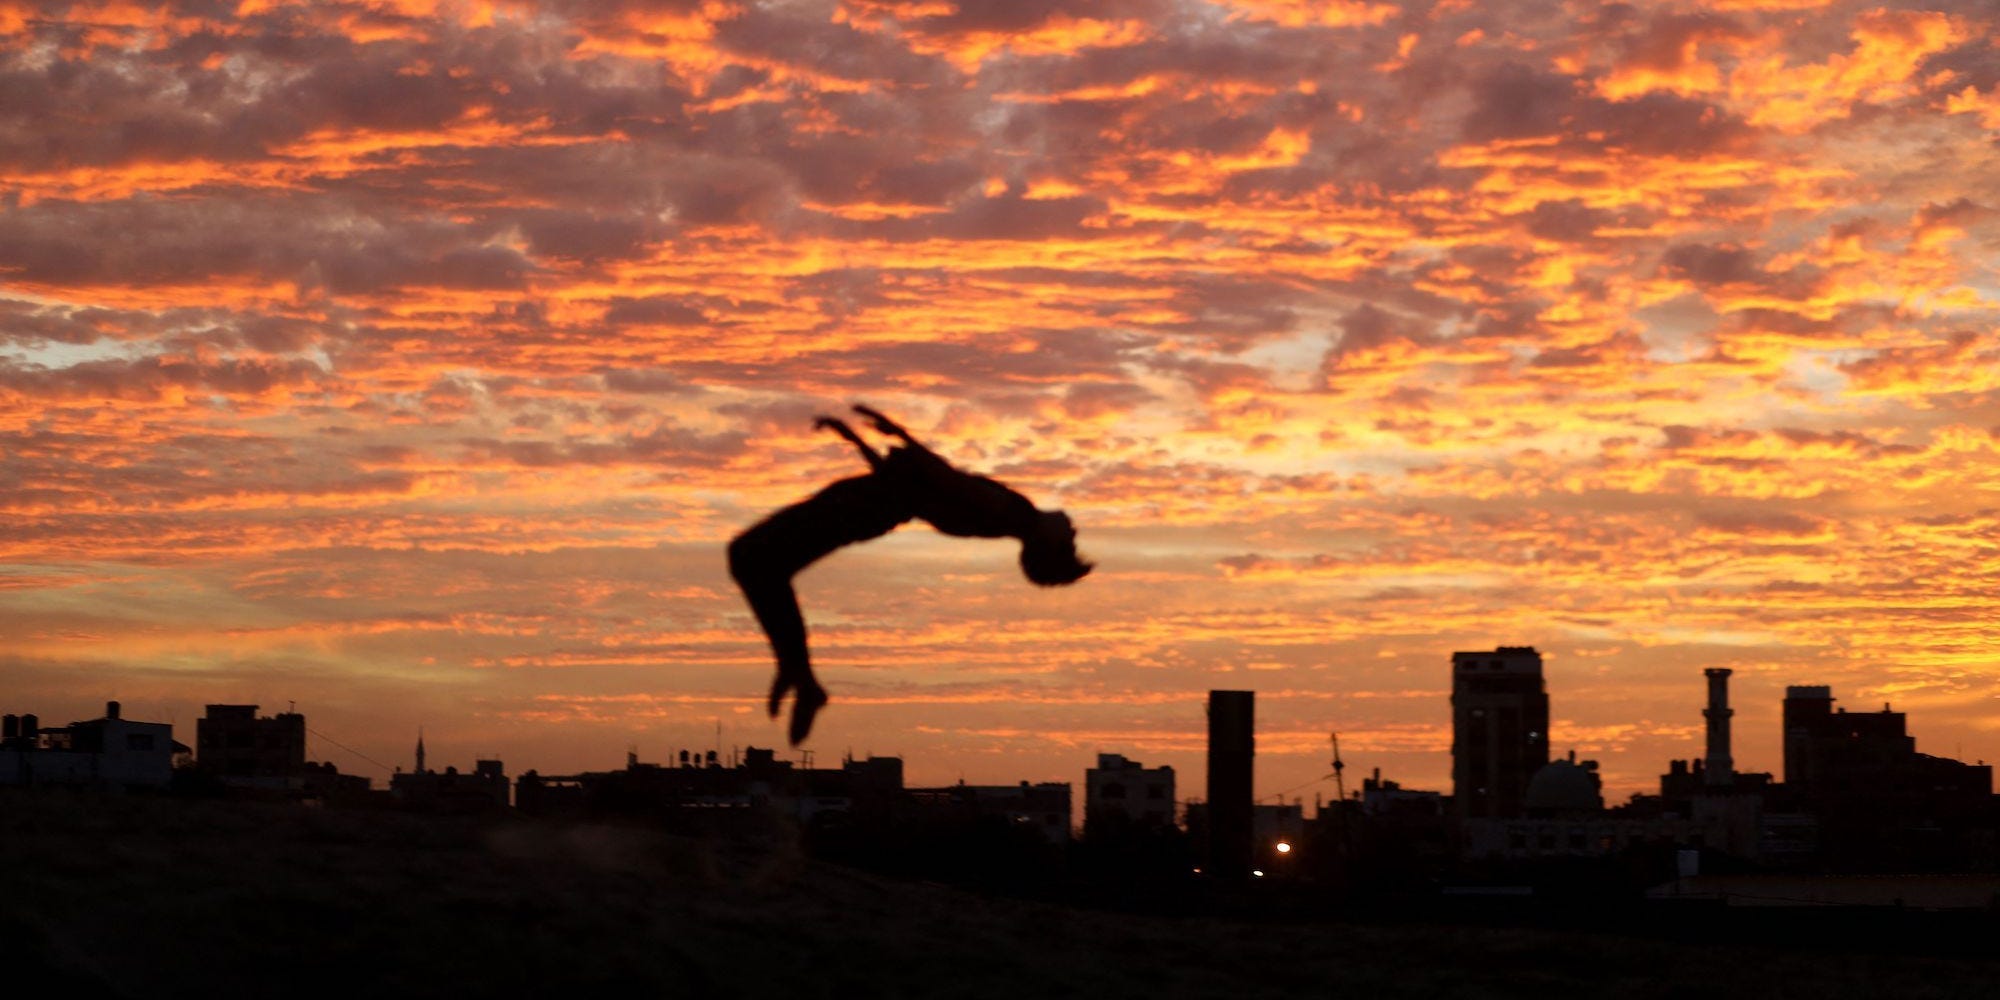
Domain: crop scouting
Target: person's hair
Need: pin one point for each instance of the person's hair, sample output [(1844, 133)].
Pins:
[(1048, 555)]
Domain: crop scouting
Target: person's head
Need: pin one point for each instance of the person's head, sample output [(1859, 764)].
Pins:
[(1048, 551)]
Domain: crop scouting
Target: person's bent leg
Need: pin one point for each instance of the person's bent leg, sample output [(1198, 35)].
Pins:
[(764, 558), (777, 610), (769, 593), (776, 606)]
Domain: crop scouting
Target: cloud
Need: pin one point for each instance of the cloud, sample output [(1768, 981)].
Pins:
[(152, 378)]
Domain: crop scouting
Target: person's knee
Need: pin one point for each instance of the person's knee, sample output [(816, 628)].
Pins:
[(745, 560)]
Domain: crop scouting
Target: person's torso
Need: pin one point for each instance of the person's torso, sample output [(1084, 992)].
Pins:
[(955, 502)]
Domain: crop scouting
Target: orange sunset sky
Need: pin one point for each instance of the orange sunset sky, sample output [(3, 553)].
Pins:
[(413, 361)]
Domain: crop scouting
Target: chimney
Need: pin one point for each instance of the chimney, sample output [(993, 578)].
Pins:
[(111, 710), (1721, 767)]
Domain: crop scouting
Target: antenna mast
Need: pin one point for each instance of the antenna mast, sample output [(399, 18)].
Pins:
[(1338, 766)]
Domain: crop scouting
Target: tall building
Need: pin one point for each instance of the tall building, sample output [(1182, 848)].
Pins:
[(1232, 752), (1122, 794), (1499, 730), (1808, 710)]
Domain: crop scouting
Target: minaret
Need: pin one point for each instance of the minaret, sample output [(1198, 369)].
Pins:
[(420, 749), (1721, 767)]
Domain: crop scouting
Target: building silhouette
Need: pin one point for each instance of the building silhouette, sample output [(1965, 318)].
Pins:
[(1874, 800), (483, 789), (1562, 788), (1831, 754), (1858, 797), (245, 751), (701, 792), (1042, 808), (1123, 795), (1807, 707), (1229, 816), (1386, 797), (110, 752), (1499, 730), (1388, 836), (324, 782), (1561, 816), (1727, 810)]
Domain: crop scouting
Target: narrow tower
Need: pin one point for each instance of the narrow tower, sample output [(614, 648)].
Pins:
[(1232, 750), (1721, 767), (420, 749)]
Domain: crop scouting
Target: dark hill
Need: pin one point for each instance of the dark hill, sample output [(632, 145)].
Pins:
[(141, 897)]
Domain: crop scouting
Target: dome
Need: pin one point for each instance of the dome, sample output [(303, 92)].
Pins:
[(1564, 786)]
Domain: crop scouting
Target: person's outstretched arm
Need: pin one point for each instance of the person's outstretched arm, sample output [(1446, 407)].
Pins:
[(887, 426), (839, 426)]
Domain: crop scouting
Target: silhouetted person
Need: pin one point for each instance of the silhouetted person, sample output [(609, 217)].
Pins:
[(911, 481)]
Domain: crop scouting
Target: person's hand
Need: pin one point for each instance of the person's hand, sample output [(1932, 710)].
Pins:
[(882, 423)]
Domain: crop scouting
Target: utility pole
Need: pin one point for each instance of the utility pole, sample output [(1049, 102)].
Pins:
[(1340, 786)]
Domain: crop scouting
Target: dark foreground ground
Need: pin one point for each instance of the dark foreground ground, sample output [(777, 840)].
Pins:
[(132, 897)]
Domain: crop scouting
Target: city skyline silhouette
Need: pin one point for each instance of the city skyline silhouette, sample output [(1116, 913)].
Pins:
[(1867, 849), (1832, 761)]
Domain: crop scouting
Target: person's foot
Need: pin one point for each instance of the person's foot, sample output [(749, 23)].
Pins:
[(810, 700), (779, 687)]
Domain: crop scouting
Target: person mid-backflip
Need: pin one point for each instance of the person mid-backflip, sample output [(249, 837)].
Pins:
[(911, 481)]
